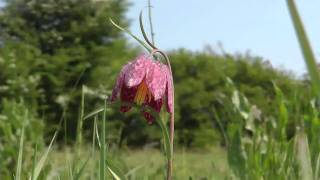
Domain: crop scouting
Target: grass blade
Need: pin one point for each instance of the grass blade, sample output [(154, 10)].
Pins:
[(283, 112), (114, 174), (316, 174), (78, 175), (42, 160), (115, 171), (19, 164), (97, 134), (95, 112), (80, 121), (303, 155), (103, 144), (34, 161), (93, 147), (305, 47), (133, 170)]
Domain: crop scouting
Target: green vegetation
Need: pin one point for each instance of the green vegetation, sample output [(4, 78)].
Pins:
[(236, 115), (149, 163)]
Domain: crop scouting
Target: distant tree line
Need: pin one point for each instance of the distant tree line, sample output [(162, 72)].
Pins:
[(52, 50)]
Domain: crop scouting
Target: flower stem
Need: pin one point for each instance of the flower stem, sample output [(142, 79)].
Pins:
[(150, 21), (156, 50), (103, 144), (171, 133), (170, 163)]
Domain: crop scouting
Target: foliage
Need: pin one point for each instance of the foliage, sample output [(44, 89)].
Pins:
[(51, 48), (55, 47), (17, 78), (200, 80), (267, 143), (14, 117)]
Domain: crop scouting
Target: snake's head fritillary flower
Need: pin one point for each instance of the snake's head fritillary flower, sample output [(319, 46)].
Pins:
[(145, 82)]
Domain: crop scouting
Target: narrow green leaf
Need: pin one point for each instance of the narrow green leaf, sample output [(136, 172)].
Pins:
[(97, 134), (70, 172), (115, 171), (283, 112), (316, 174), (103, 144), (93, 147), (305, 47), (237, 156), (19, 164), (166, 137), (34, 161), (78, 175), (222, 129), (303, 155), (115, 176), (133, 170), (42, 160), (132, 35), (80, 121), (95, 112)]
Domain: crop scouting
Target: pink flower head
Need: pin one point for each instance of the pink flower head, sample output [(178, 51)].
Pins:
[(145, 82)]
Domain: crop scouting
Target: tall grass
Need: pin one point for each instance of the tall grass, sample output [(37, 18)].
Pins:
[(305, 47), (19, 164), (260, 148)]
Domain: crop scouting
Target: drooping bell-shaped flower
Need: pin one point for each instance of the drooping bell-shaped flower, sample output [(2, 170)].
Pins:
[(145, 82)]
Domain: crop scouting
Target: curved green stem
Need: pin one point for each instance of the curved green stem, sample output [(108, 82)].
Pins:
[(132, 35), (150, 22), (170, 163), (144, 33), (156, 50)]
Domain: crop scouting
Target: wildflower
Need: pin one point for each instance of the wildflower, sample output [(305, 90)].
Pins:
[(147, 83)]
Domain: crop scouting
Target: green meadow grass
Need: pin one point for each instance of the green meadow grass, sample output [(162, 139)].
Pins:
[(148, 163)]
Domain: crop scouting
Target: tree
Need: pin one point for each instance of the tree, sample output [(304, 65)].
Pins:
[(64, 44)]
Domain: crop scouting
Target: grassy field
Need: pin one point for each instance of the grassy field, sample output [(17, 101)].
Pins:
[(147, 163)]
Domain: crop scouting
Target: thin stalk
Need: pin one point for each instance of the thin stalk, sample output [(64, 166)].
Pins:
[(171, 131), (218, 120), (65, 126), (34, 161), (103, 145), (80, 123), (93, 147), (19, 164), (42, 160), (155, 50), (144, 34), (150, 21), (170, 163), (79, 127), (132, 35)]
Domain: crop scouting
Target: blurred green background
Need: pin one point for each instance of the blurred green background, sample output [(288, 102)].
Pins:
[(51, 51)]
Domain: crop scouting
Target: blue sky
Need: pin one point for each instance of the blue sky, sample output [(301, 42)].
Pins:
[(262, 27)]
